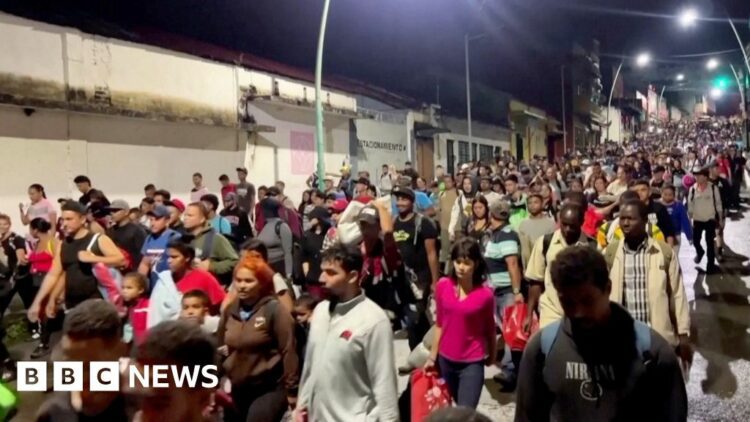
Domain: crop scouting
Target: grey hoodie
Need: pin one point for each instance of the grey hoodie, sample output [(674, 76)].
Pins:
[(612, 383)]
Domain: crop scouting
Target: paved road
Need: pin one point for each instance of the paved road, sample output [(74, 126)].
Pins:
[(719, 384)]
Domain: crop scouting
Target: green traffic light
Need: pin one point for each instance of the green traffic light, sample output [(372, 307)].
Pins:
[(722, 82)]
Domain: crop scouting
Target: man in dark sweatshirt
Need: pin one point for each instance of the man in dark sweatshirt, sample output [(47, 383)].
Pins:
[(597, 363)]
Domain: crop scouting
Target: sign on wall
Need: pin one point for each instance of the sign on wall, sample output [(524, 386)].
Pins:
[(380, 143), (302, 150)]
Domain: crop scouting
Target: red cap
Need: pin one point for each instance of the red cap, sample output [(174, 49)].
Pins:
[(339, 205), (179, 205), (365, 199)]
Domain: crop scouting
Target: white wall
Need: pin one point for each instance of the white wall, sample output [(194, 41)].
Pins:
[(380, 143), (617, 132)]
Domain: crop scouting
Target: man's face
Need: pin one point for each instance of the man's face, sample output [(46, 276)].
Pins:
[(193, 218), (149, 192), (158, 200), (534, 204), (510, 187), (570, 226), (439, 172), (280, 186), (4, 226), (146, 207), (360, 189), (631, 223), (158, 224), (89, 350), (197, 180), (404, 204), (643, 192), (485, 185), (72, 222), (317, 201), (701, 178), (335, 279), (328, 184), (224, 182), (448, 181), (659, 176), (667, 196), (482, 171), (585, 305), (120, 216), (193, 309), (174, 215), (83, 187), (242, 176)]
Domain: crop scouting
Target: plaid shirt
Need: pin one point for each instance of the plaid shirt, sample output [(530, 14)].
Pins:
[(635, 298)]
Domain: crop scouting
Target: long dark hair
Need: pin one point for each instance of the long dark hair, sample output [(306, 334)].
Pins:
[(468, 248), (39, 188)]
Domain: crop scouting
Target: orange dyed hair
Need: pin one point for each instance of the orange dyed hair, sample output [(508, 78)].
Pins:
[(260, 269)]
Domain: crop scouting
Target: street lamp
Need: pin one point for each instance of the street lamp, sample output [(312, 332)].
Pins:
[(688, 17), (319, 142), (641, 60), (712, 64), (716, 93), (680, 77)]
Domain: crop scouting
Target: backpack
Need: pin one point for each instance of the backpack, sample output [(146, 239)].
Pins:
[(297, 274), (642, 339), (548, 239), (713, 199), (109, 279), (292, 218), (412, 280)]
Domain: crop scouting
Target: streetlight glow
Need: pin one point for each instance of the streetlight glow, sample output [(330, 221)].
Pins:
[(680, 77), (688, 17), (712, 64), (642, 59), (716, 93)]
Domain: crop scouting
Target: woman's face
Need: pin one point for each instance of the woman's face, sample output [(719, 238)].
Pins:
[(421, 184), (600, 185), (35, 195), (480, 211), (546, 192), (466, 185), (464, 268), (306, 196), (246, 284), (177, 261)]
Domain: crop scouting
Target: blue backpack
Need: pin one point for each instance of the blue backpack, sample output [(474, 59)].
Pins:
[(642, 338)]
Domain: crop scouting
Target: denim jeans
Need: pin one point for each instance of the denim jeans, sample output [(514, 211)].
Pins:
[(465, 380), (504, 299)]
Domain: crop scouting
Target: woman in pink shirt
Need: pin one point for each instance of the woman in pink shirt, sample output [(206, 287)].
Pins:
[(465, 327), (40, 206)]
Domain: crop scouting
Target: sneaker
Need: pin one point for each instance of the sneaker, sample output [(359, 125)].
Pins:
[(507, 382), (35, 334), (40, 351), (8, 371)]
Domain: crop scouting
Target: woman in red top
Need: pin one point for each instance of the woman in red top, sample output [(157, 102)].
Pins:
[(40, 260), (181, 257)]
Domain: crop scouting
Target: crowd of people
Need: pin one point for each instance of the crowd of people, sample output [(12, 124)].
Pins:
[(300, 303)]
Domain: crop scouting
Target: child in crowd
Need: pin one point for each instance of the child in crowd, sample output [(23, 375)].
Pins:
[(134, 294), (196, 306), (303, 310), (678, 212)]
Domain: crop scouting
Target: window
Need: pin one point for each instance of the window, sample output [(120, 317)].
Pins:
[(463, 152), (473, 152), (451, 164), (485, 153)]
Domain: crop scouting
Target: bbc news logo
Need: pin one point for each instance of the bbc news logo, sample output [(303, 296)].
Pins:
[(109, 375)]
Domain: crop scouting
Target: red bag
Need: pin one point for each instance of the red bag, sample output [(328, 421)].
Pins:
[(513, 333), (429, 392)]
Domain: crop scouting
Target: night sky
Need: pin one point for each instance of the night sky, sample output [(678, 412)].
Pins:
[(412, 46)]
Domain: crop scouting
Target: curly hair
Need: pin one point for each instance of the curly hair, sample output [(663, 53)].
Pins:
[(262, 272)]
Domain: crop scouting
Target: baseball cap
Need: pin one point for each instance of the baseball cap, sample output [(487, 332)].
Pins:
[(160, 211), (500, 210), (403, 191), (369, 215), (242, 169), (118, 204), (339, 205), (177, 204)]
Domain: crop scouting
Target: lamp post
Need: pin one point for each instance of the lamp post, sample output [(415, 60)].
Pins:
[(641, 60), (319, 140), (467, 40)]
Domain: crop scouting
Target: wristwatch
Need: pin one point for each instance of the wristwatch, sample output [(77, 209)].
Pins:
[(516, 291)]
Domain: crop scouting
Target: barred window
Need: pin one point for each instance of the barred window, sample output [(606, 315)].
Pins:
[(463, 152)]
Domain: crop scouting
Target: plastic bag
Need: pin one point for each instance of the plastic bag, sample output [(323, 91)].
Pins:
[(428, 393), (513, 334)]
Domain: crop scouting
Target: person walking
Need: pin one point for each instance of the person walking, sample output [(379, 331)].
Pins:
[(705, 210), (40, 206)]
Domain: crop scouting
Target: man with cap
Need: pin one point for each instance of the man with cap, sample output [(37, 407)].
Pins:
[(78, 252), (657, 182), (335, 208), (237, 218), (153, 251), (127, 235), (226, 187), (176, 208), (360, 187), (245, 191), (503, 256), (416, 237), (705, 210)]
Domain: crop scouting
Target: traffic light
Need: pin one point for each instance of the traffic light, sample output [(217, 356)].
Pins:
[(722, 82)]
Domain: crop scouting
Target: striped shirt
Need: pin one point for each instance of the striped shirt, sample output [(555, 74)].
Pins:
[(503, 243), (635, 298)]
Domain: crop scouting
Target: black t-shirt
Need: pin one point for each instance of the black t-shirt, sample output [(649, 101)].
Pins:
[(658, 214), (129, 238), (57, 408), (10, 245), (86, 198), (312, 243), (80, 282), (414, 254)]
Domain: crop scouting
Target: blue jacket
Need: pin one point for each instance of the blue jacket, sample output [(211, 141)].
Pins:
[(680, 219)]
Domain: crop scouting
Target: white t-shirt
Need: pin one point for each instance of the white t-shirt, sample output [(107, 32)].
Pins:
[(41, 209)]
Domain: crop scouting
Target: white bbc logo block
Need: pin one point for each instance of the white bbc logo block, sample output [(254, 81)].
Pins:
[(32, 376), (104, 376), (67, 376)]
